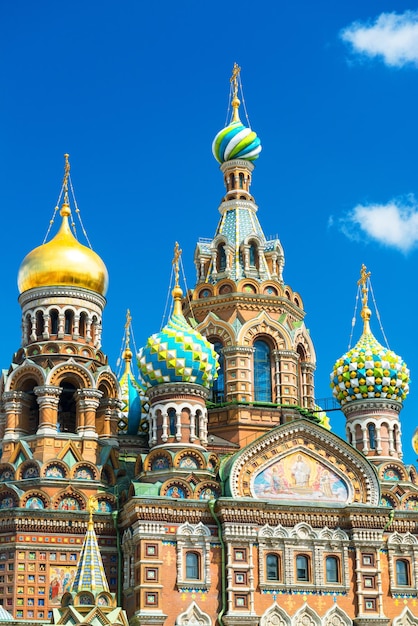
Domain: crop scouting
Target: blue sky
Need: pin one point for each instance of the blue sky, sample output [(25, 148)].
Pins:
[(135, 91)]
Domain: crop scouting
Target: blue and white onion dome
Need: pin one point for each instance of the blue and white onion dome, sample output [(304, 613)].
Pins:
[(369, 371), (178, 354)]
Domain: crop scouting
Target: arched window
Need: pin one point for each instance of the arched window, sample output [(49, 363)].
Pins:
[(67, 410), (28, 327), (192, 566), (39, 323), (253, 255), (218, 388), (54, 321), (272, 567), (82, 325), (221, 258), (331, 569), (302, 568), (197, 418), (402, 573), (69, 322), (262, 372), (172, 419), (232, 181), (241, 180), (372, 436)]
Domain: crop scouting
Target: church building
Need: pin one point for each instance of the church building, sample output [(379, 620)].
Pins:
[(209, 488)]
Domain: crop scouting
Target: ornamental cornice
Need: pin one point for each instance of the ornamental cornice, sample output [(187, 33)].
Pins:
[(179, 390), (234, 163), (50, 391), (40, 293), (231, 350), (291, 354), (230, 205), (147, 617), (249, 302), (372, 405)]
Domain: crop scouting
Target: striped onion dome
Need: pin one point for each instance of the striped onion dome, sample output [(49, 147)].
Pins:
[(236, 141)]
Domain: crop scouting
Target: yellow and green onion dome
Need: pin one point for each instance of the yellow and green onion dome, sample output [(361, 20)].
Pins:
[(369, 371), (63, 261), (178, 354), (236, 141)]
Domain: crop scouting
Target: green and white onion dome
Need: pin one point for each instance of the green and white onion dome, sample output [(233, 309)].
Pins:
[(236, 141), (369, 371), (178, 354)]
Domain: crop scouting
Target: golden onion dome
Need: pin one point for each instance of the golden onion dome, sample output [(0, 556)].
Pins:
[(63, 261)]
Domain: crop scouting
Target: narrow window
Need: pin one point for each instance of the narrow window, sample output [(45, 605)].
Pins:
[(272, 567), (172, 420), (192, 566), (232, 181), (218, 388), (332, 574), (402, 573), (241, 180), (39, 323), (69, 322), (221, 258), (197, 423), (302, 568), (372, 436), (82, 325), (54, 321), (262, 372), (253, 252)]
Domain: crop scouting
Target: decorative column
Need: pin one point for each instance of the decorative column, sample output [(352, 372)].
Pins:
[(87, 401), (48, 399), (13, 404)]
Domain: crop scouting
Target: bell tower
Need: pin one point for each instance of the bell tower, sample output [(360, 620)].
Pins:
[(243, 306)]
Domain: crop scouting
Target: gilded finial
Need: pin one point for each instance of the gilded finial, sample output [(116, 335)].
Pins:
[(92, 507), (365, 312), (235, 100), (127, 353), (65, 209), (177, 292)]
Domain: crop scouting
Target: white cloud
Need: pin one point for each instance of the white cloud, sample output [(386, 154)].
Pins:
[(392, 36), (394, 224)]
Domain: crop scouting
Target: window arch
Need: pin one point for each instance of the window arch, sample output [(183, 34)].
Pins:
[(192, 566), (371, 429), (402, 573), (82, 325), (272, 567), (332, 573), (39, 323), (262, 372), (221, 258), (172, 419), (302, 568), (253, 256), (54, 321), (67, 410), (68, 322), (218, 388)]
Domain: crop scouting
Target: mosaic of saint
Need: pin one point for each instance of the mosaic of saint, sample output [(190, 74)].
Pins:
[(60, 581), (300, 477)]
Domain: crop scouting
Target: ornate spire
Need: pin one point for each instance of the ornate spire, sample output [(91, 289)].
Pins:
[(177, 292), (364, 285), (90, 575), (235, 100), (65, 209), (127, 353)]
